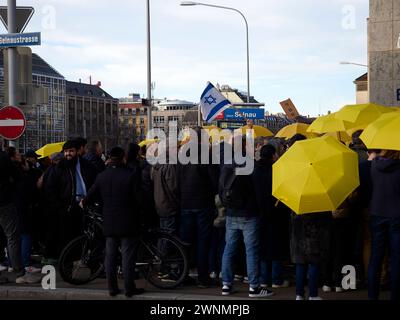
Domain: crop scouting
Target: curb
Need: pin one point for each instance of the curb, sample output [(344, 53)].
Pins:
[(37, 293)]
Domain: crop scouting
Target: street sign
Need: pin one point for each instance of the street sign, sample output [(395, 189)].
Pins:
[(23, 15), (12, 122), (241, 114), (20, 39)]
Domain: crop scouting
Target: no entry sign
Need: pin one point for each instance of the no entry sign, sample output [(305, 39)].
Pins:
[(12, 122)]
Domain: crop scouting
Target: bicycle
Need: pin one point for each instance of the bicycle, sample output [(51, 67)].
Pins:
[(161, 257)]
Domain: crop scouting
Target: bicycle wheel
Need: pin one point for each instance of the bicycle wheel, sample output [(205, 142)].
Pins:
[(163, 261), (82, 260)]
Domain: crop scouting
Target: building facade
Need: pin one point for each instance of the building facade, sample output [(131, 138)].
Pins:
[(384, 52), (45, 122), (362, 93), (91, 113)]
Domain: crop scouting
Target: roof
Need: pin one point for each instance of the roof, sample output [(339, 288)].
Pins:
[(39, 67), (364, 77), (85, 90)]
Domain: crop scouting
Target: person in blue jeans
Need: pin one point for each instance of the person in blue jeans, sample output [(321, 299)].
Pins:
[(309, 247), (238, 195), (385, 222)]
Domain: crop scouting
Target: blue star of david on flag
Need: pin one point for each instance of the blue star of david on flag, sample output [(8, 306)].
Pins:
[(210, 100), (212, 103)]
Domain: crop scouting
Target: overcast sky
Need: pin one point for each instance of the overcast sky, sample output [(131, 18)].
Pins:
[(295, 47)]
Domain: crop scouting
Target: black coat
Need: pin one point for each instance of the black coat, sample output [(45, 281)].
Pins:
[(310, 237), (117, 189), (96, 161), (198, 185), (385, 200), (275, 219), (59, 187)]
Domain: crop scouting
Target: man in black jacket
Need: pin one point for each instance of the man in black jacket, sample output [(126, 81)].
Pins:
[(237, 193), (198, 185), (117, 188), (66, 184), (8, 214)]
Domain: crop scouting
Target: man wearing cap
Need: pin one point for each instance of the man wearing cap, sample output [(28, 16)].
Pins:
[(66, 185)]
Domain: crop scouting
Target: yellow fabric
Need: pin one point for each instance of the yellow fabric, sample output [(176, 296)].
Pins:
[(293, 129), (315, 175), (49, 149), (383, 133), (329, 123), (361, 115), (259, 131), (147, 142)]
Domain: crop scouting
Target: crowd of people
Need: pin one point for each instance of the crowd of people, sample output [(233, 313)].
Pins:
[(236, 230)]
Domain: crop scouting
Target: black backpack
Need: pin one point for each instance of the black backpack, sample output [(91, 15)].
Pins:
[(229, 192)]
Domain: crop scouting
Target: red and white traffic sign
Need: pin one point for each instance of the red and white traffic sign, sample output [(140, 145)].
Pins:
[(12, 122)]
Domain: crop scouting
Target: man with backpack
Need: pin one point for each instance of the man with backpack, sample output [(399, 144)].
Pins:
[(237, 193)]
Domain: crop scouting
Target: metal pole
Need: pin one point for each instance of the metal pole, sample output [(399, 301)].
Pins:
[(199, 116), (12, 58), (149, 120)]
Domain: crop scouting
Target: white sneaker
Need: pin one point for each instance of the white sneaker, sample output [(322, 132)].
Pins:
[(315, 298), (285, 284), (246, 280), (298, 298), (3, 268), (326, 289), (32, 269), (213, 275), (10, 269), (28, 278), (339, 289)]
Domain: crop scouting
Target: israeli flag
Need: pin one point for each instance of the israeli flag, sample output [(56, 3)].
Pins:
[(212, 103)]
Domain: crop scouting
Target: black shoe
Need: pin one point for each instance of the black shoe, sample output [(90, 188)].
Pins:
[(135, 292), (207, 283), (260, 293), (115, 292)]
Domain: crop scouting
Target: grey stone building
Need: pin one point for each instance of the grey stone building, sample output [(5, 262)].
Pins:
[(384, 52), (91, 113)]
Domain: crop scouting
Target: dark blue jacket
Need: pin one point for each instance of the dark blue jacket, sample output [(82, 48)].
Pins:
[(385, 200)]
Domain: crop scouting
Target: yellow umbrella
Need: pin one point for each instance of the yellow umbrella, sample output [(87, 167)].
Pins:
[(329, 123), (360, 115), (340, 135), (259, 131), (295, 128), (383, 133), (315, 175), (48, 149), (147, 142)]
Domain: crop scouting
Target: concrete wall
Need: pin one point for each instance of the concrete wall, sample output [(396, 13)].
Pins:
[(384, 52)]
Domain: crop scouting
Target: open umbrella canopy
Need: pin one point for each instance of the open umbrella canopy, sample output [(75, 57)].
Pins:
[(48, 149), (361, 115), (293, 129), (383, 133), (259, 131), (315, 175), (329, 123), (340, 135)]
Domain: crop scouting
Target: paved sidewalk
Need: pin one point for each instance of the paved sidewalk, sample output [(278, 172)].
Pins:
[(97, 291)]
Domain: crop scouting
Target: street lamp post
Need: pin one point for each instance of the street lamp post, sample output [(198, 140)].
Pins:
[(149, 98), (191, 3), (353, 63)]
